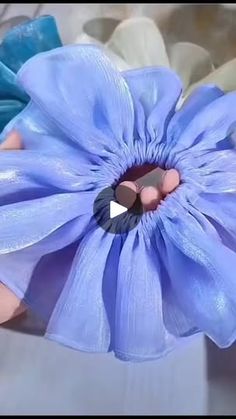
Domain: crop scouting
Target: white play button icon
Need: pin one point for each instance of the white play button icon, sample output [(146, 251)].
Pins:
[(114, 217), (116, 209)]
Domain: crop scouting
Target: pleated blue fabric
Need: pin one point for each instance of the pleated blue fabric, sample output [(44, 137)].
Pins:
[(141, 293)]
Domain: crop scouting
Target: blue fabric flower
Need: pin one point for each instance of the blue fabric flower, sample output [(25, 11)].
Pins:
[(140, 293), (20, 44)]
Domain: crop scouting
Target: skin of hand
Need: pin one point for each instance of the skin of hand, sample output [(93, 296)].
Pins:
[(152, 187), (10, 305)]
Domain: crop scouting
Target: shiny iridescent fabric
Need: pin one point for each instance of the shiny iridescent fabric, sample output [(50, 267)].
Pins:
[(140, 293), (19, 44)]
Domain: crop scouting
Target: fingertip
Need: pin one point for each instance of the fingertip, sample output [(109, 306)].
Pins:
[(126, 193), (150, 198), (12, 142), (170, 182)]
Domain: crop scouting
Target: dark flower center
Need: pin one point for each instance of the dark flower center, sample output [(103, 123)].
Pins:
[(150, 183)]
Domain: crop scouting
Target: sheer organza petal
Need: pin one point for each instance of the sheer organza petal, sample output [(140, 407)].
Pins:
[(19, 269), (9, 108), (193, 105), (50, 275), (175, 320), (139, 42), (223, 77), (139, 329), (155, 92), (202, 275), (39, 133), (120, 64), (8, 86), (190, 61), (20, 43), (100, 28), (218, 172), (220, 209), (27, 39), (208, 127), (24, 223), (32, 170), (80, 319), (170, 277), (88, 99)]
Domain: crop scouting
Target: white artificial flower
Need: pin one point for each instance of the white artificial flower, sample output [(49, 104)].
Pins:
[(138, 42)]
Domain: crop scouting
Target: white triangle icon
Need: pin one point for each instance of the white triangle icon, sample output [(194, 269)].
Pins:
[(116, 209)]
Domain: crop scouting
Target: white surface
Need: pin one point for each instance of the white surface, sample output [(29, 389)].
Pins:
[(42, 377)]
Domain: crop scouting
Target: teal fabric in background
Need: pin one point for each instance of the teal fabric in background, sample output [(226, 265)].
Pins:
[(19, 44)]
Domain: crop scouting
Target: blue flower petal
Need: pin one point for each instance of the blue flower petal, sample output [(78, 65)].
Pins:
[(27, 216), (220, 209), (37, 220), (39, 284), (38, 133), (172, 276), (207, 171), (80, 319), (51, 272), (83, 94), (207, 128), (195, 103), (175, 321), (27, 39), (200, 268), (29, 172), (139, 329), (155, 92)]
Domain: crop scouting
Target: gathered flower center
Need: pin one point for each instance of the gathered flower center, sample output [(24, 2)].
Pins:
[(149, 183)]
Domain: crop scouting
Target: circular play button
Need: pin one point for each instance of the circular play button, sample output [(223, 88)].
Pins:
[(117, 217)]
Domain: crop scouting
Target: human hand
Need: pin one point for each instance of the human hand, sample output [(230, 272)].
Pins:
[(10, 305)]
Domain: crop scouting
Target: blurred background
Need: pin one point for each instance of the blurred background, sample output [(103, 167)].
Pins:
[(42, 377)]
